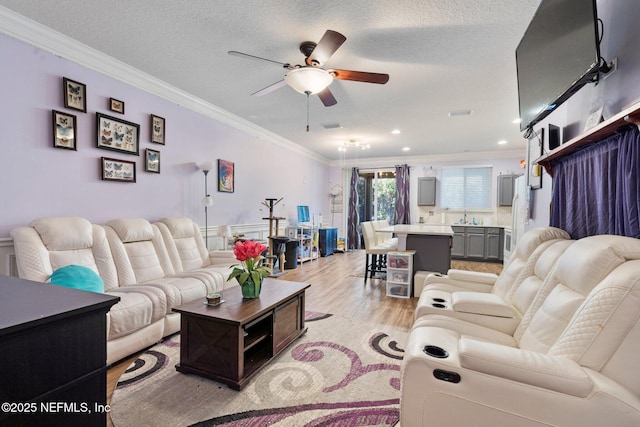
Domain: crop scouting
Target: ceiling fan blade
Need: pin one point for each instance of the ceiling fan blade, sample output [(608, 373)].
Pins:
[(327, 46), (360, 76), (257, 58), (327, 98), (270, 88)]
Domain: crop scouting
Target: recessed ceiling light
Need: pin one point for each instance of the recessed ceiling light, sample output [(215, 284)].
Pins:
[(406, 148), (332, 126), (395, 131), (502, 142), (516, 121), (459, 113)]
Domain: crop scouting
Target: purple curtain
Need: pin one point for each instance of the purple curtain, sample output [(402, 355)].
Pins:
[(353, 237), (402, 195), (597, 190)]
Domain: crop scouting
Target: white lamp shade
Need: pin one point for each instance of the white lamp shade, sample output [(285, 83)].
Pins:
[(206, 166), (308, 79), (207, 201), (224, 231)]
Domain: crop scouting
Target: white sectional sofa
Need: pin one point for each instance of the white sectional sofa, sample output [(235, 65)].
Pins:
[(151, 271), (571, 360)]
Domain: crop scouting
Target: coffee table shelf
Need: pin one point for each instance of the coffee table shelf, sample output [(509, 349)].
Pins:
[(231, 342)]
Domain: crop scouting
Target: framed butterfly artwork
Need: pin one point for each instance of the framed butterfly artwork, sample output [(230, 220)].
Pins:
[(152, 161), (157, 129), (118, 170), (116, 105), (117, 134), (64, 130), (75, 95)]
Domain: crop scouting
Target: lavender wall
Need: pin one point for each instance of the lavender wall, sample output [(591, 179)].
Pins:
[(617, 92), (37, 180)]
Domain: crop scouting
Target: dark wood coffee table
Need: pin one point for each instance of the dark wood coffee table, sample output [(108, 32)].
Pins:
[(232, 341)]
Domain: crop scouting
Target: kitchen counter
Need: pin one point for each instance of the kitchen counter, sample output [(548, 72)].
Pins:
[(432, 244), (405, 229)]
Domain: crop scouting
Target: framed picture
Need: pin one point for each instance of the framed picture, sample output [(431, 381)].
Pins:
[(118, 170), (75, 95), (152, 161), (116, 105), (595, 117), (225, 176), (116, 134), (157, 129), (64, 130), (534, 151)]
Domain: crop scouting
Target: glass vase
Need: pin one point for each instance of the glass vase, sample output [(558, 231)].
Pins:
[(250, 289)]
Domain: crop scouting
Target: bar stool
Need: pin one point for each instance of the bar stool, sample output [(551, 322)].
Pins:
[(376, 255)]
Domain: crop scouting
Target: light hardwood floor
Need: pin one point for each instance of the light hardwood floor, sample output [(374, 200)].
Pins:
[(337, 287)]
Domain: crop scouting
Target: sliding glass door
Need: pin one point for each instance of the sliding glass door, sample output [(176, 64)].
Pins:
[(377, 195)]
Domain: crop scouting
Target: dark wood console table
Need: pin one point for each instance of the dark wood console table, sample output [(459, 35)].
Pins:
[(53, 353), (232, 341)]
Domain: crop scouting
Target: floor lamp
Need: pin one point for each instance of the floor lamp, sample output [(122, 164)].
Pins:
[(207, 201)]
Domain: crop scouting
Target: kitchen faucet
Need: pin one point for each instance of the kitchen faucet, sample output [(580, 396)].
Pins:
[(465, 216)]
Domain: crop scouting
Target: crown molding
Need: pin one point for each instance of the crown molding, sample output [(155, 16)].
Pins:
[(378, 162), (36, 34)]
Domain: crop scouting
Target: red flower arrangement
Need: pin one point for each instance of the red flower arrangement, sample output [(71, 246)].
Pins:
[(249, 272)]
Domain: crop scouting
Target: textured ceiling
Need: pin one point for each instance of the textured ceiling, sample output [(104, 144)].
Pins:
[(441, 55)]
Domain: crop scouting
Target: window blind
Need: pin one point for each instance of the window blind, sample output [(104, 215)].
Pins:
[(466, 188)]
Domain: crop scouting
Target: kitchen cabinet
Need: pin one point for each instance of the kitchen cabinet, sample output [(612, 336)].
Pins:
[(494, 244), (427, 191), (505, 189), (478, 243), (457, 247)]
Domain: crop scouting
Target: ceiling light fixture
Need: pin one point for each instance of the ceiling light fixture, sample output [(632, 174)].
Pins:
[(353, 144), (308, 80), (406, 149), (396, 131), (502, 142)]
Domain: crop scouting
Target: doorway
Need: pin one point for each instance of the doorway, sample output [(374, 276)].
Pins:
[(377, 195)]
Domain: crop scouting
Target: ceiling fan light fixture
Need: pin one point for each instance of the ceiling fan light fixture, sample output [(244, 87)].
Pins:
[(308, 80)]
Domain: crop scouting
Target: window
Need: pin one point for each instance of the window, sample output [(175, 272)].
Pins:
[(466, 188)]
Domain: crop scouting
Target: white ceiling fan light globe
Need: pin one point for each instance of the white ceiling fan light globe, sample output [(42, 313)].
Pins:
[(308, 80)]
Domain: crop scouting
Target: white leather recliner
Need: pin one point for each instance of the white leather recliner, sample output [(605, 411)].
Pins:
[(135, 322), (572, 361), (141, 258), (189, 255), (462, 280), (503, 308)]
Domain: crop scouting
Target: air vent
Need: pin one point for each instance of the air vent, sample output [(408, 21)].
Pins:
[(332, 126), (459, 113)]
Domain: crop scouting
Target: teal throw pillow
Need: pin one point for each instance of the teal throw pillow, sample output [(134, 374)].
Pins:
[(77, 277)]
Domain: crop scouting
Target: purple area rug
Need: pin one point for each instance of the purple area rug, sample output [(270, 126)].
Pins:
[(340, 373)]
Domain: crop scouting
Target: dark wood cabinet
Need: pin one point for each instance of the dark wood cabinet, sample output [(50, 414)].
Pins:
[(53, 352)]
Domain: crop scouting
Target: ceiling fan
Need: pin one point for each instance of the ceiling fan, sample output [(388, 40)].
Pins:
[(311, 78)]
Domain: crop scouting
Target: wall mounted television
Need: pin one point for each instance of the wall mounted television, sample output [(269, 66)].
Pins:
[(558, 54)]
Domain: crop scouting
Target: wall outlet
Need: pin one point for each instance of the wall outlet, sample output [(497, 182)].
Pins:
[(613, 65)]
